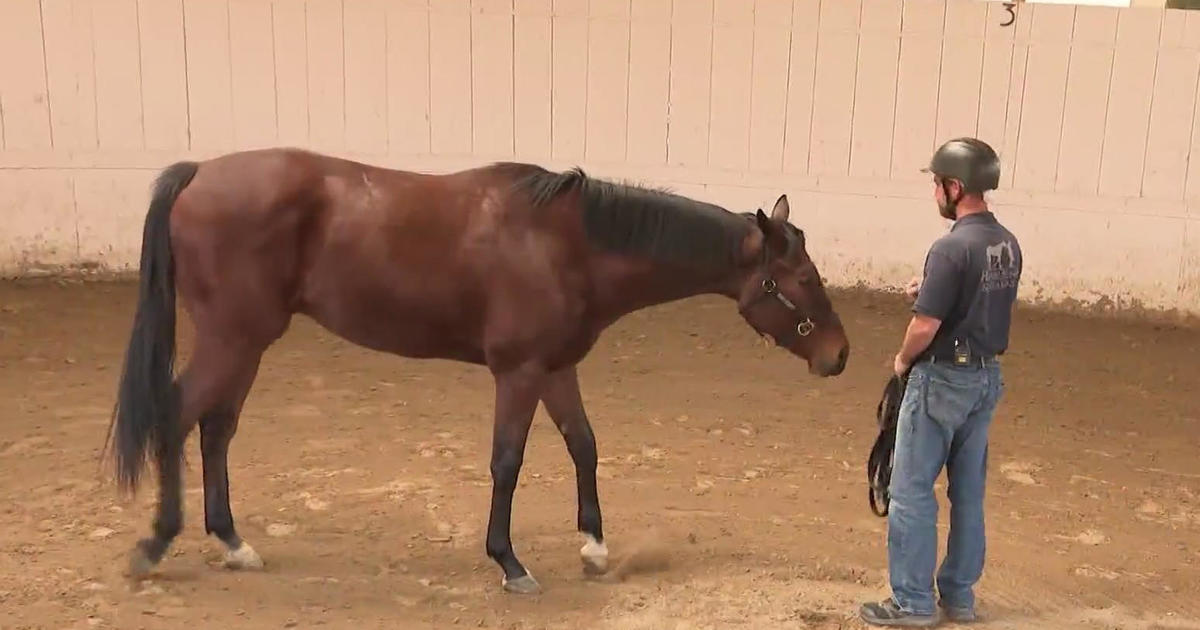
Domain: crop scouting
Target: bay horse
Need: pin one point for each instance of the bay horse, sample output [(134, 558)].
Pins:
[(508, 266)]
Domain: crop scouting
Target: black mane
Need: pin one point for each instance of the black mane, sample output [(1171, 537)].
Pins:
[(638, 220)]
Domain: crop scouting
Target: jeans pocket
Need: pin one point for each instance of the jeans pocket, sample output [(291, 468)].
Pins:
[(948, 402)]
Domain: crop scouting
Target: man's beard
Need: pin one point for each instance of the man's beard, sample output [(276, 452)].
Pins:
[(947, 211)]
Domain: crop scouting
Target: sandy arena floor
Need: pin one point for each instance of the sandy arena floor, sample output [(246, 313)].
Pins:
[(362, 479)]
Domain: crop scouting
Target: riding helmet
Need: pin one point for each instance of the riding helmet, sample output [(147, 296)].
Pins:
[(969, 160)]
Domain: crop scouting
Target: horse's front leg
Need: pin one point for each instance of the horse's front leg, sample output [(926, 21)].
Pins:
[(565, 406), (517, 394)]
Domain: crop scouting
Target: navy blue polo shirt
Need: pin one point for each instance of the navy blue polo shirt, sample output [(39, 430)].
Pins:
[(970, 283)]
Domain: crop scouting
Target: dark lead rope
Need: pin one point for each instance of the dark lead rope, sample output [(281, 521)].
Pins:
[(879, 462)]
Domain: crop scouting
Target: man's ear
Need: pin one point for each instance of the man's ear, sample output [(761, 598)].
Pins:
[(782, 209), (773, 236)]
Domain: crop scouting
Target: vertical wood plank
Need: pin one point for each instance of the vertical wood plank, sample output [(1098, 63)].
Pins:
[(326, 75), (1086, 100), (1173, 105), (492, 78), (875, 89), (649, 81), (25, 95), (531, 79), (164, 75), (732, 68), (915, 135), (450, 76), (833, 94), (1128, 121), (118, 74), (962, 70), (1045, 85), (70, 73), (366, 27), (997, 70), (768, 87), (291, 72), (568, 102), (252, 68), (691, 82), (408, 77), (1021, 29), (802, 66), (608, 80), (1192, 189), (210, 97)]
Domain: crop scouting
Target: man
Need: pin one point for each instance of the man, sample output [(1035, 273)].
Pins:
[(960, 325)]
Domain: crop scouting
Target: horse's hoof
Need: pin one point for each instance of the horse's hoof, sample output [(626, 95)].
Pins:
[(594, 568), (524, 585), (594, 556), (140, 564), (243, 558)]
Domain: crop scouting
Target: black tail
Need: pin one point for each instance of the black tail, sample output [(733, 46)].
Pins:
[(145, 413), (879, 462)]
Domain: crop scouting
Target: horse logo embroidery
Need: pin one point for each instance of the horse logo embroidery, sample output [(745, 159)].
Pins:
[(1003, 269), (1000, 255)]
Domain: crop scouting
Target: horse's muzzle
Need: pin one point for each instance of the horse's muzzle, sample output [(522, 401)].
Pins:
[(835, 365)]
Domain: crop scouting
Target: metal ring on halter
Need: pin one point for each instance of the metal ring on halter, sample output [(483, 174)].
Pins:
[(805, 327)]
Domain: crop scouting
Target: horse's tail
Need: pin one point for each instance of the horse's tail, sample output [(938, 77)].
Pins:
[(144, 416)]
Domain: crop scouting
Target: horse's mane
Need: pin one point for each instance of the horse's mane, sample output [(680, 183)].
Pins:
[(640, 220)]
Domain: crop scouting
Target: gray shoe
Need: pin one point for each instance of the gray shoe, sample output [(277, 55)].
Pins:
[(887, 613), (958, 614)]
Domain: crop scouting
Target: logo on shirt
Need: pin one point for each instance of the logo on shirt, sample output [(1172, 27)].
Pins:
[(1002, 271)]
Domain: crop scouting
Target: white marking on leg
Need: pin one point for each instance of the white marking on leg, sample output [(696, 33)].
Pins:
[(594, 552), (244, 557)]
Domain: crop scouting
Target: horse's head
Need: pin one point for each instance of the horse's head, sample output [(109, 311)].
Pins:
[(783, 297)]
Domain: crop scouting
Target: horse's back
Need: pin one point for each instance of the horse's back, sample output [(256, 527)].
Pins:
[(416, 264)]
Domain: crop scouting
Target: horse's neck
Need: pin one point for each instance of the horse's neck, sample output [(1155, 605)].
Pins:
[(623, 286)]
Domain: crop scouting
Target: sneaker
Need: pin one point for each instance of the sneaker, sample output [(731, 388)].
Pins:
[(958, 614), (888, 613)]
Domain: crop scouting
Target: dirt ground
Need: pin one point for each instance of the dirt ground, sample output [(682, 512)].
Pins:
[(732, 479)]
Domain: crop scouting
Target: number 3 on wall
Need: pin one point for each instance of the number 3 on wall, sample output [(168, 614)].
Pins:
[(1011, 7)]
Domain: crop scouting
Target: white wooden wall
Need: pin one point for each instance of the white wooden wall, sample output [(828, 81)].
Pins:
[(836, 102)]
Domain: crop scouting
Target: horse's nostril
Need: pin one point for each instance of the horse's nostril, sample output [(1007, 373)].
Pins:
[(843, 355)]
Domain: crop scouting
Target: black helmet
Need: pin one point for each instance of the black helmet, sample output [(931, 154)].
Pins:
[(969, 160)]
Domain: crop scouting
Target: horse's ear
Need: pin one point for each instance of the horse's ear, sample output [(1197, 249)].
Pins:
[(782, 209), (773, 235)]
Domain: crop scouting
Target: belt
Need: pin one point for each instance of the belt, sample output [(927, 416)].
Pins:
[(971, 360)]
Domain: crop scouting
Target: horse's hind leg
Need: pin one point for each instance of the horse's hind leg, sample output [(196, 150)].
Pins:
[(210, 390), (218, 423), (565, 405)]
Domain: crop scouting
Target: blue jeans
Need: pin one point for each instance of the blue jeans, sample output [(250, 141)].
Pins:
[(944, 420)]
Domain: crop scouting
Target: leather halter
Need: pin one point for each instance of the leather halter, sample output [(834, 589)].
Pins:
[(770, 288)]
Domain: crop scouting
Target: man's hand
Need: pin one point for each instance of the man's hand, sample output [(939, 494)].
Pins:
[(913, 288), (921, 330), (899, 366)]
